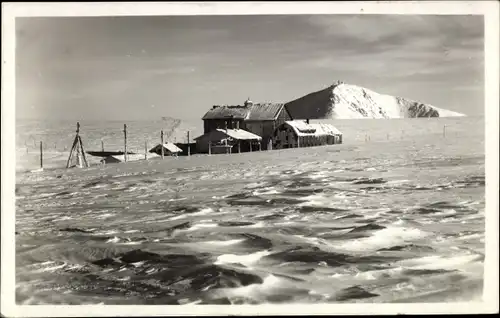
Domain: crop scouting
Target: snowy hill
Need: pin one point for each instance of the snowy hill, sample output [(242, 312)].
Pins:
[(345, 101)]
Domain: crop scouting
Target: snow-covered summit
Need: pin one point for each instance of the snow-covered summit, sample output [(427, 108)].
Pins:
[(345, 101)]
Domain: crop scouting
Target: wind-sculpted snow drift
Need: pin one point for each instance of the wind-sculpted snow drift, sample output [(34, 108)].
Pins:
[(399, 218), (345, 101)]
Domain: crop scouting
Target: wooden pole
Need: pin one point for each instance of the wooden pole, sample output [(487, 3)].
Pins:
[(250, 145), (83, 152), (189, 147), (162, 154), (102, 146), (41, 155), (209, 148), (260, 146), (74, 144), (71, 152), (79, 146), (125, 141), (146, 150), (78, 150), (239, 146), (444, 131)]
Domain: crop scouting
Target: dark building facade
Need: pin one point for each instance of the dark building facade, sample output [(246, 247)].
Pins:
[(260, 119)]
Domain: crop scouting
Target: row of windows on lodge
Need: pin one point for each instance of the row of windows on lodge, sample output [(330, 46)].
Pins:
[(309, 140)]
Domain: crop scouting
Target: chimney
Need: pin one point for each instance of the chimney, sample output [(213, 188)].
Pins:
[(248, 102), (307, 121)]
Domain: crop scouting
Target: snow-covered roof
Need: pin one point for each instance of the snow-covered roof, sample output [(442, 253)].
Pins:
[(222, 112), (327, 128), (264, 111), (169, 146), (120, 158), (302, 128), (238, 134), (249, 111)]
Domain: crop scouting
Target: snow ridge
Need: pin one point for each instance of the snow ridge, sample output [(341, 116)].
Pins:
[(345, 101)]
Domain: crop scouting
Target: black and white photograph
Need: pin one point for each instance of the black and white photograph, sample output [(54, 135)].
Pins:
[(240, 154)]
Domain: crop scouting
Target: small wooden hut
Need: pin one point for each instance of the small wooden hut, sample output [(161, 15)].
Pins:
[(169, 149), (227, 141)]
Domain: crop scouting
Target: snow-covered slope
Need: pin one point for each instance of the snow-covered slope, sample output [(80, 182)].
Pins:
[(345, 101)]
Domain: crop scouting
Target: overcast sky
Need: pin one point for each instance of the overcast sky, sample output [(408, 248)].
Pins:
[(146, 67)]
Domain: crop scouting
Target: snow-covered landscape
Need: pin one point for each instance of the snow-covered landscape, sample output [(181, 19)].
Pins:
[(397, 217)]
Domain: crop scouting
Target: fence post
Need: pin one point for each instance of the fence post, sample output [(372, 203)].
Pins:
[(125, 140), (41, 155), (162, 145)]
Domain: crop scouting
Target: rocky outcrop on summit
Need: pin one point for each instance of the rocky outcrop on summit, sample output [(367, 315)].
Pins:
[(345, 101)]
